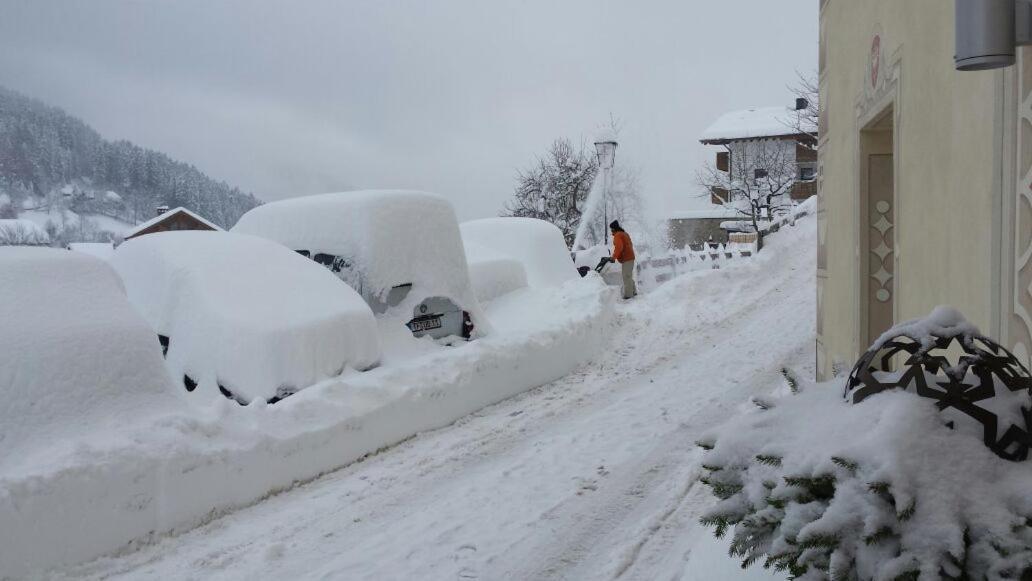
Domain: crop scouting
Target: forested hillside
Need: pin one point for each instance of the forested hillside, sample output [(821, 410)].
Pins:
[(53, 162)]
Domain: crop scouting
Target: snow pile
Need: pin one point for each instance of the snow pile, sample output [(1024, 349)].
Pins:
[(15, 232), (538, 245), (101, 250), (944, 322), (245, 315), (77, 361), (590, 257), (492, 274), (180, 472), (820, 488)]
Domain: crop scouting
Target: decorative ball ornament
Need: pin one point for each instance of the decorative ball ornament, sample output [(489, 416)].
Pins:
[(985, 390)]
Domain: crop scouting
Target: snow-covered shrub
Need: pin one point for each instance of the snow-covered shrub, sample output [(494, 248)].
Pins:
[(493, 274), (76, 361), (243, 315), (537, 244), (820, 488), (16, 232)]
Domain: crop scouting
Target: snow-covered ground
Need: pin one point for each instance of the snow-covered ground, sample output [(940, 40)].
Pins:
[(591, 476)]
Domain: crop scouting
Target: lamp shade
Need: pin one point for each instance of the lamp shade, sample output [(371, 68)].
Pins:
[(606, 153)]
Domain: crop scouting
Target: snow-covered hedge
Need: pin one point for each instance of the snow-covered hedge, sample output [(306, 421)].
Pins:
[(537, 244), (823, 489), (14, 232), (245, 315), (76, 361)]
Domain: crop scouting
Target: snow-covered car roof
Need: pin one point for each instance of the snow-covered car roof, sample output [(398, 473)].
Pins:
[(246, 313), (393, 237), (77, 360), (492, 273), (537, 244)]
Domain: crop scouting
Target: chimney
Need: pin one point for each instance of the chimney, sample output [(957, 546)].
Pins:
[(160, 210), (801, 104)]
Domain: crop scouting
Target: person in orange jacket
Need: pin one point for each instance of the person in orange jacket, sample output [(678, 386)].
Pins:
[(623, 252)]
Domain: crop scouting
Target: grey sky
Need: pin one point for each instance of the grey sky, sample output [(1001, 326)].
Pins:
[(285, 98)]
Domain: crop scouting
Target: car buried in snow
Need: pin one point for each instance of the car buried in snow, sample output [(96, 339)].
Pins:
[(242, 316), (400, 250)]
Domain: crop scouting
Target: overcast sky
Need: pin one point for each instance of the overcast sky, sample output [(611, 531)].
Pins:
[(285, 98)]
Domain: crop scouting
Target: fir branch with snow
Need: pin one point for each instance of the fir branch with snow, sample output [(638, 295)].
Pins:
[(819, 488)]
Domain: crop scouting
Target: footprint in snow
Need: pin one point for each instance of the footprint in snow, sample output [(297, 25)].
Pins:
[(462, 556)]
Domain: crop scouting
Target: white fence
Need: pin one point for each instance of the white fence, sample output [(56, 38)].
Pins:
[(652, 270)]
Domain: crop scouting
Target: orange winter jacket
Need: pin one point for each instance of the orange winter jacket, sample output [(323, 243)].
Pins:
[(623, 249)]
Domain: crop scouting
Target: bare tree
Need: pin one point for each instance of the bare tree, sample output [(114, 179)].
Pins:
[(757, 181), (556, 188), (805, 121)]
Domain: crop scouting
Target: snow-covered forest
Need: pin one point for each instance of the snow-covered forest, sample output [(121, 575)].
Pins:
[(50, 158)]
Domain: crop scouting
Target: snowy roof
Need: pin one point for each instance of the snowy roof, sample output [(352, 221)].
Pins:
[(19, 232), (750, 123), (165, 216)]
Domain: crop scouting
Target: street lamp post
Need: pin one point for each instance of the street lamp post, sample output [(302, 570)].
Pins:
[(606, 150)]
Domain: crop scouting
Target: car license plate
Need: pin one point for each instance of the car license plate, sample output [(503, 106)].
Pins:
[(425, 324)]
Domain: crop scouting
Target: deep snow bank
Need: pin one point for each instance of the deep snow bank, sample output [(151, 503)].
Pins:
[(184, 470), (537, 244), (245, 313), (77, 363)]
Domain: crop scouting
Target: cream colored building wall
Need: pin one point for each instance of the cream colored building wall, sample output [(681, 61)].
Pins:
[(948, 141)]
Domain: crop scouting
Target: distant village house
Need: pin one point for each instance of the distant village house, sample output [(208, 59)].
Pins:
[(742, 132), (748, 136), (167, 220)]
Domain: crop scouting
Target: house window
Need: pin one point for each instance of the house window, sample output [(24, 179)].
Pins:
[(759, 174), (807, 173)]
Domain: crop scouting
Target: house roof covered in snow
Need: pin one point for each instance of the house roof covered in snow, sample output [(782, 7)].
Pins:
[(751, 123), (168, 215)]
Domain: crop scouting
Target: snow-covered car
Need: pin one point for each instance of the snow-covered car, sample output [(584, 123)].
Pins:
[(492, 273), (243, 315), (77, 362), (401, 250), (538, 245)]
